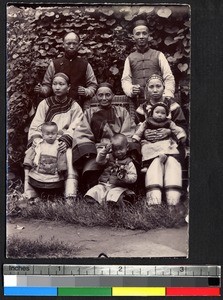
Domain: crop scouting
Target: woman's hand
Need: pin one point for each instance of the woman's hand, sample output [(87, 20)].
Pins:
[(62, 146), (154, 135)]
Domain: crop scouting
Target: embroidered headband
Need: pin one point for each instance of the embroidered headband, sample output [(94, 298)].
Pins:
[(63, 75), (105, 84), (155, 76)]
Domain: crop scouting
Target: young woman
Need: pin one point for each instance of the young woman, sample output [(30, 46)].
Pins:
[(67, 114), (161, 175)]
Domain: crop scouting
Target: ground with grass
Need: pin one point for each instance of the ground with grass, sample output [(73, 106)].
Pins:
[(39, 248), (54, 208), (91, 229)]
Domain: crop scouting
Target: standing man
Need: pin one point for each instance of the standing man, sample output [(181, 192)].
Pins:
[(82, 79), (143, 63)]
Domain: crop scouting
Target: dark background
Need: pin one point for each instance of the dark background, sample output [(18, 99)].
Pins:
[(206, 174)]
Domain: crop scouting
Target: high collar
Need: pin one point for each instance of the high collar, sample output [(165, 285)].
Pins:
[(106, 107), (145, 49), (59, 100), (70, 58), (154, 102)]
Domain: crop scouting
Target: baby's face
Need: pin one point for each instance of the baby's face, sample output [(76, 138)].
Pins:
[(159, 114), (49, 133), (119, 148)]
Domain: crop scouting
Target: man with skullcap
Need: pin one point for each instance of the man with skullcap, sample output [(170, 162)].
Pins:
[(144, 62)]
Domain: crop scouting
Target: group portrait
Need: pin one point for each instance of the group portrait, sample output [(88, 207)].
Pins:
[(98, 130)]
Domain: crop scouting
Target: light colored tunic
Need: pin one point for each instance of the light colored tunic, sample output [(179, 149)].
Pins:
[(45, 163), (67, 121)]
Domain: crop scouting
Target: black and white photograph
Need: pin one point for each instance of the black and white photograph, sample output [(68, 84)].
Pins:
[(98, 130)]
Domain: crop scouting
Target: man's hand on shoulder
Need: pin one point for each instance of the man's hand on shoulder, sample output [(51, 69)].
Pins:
[(38, 88), (136, 89), (81, 91)]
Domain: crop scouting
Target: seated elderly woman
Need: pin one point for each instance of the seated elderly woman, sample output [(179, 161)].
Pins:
[(95, 131)]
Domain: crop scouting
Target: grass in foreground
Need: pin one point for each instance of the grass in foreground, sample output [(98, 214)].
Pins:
[(21, 247), (135, 216)]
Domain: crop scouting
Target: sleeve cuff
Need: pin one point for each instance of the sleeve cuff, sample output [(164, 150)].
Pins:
[(136, 137), (67, 139), (168, 93), (181, 135)]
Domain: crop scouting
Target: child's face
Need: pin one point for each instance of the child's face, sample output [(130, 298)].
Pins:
[(119, 148), (60, 86), (49, 133), (104, 96), (155, 89), (159, 114)]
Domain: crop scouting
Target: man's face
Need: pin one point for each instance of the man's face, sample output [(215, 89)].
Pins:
[(141, 35), (71, 44), (104, 96)]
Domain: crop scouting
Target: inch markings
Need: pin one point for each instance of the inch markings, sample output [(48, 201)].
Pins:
[(114, 270)]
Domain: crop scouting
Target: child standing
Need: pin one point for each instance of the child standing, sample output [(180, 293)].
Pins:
[(119, 172), (44, 161), (164, 150)]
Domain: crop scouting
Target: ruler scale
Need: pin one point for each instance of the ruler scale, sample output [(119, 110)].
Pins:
[(111, 280)]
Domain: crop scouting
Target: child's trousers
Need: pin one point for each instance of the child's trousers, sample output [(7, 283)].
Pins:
[(71, 182)]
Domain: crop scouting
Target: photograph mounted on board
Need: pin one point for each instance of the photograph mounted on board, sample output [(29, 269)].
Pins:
[(98, 112)]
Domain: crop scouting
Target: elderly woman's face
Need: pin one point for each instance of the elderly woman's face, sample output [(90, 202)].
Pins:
[(155, 89), (104, 96), (60, 86)]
